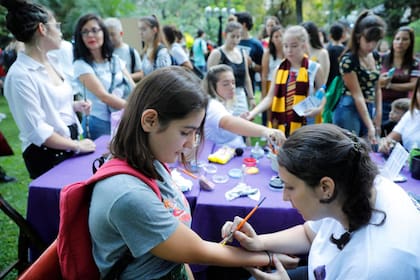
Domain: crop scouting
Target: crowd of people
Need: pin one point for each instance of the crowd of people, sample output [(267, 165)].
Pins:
[(350, 210)]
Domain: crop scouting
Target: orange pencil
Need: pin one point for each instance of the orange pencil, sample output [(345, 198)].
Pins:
[(189, 173), (241, 224)]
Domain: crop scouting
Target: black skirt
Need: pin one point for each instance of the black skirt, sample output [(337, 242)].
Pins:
[(40, 159)]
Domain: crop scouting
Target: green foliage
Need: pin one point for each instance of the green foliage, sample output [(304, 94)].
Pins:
[(68, 11), (416, 26), (15, 193), (4, 33), (392, 14)]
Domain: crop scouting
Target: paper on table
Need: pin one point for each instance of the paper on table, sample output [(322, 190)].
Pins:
[(183, 184), (241, 190), (308, 103), (395, 162)]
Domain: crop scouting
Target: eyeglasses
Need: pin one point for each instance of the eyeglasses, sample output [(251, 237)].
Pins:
[(94, 31), (57, 25)]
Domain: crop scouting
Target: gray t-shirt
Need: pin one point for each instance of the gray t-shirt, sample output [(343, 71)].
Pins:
[(126, 213), (124, 53)]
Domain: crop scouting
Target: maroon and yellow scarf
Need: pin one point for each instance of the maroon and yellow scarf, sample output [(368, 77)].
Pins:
[(278, 107)]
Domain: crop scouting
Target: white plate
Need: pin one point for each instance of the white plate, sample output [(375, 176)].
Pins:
[(400, 179)]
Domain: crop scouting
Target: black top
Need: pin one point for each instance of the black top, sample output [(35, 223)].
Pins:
[(238, 69), (334, 52)]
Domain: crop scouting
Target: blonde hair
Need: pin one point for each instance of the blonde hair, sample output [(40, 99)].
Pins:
[(298, 32)]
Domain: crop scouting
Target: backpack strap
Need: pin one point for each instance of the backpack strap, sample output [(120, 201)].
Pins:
[(159, 47), (133, 59), (118, 166)]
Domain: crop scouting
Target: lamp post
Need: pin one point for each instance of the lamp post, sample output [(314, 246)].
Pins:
[(220, 13)]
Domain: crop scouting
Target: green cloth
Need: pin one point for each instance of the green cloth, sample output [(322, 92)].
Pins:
[(414, 152), (332, 95)]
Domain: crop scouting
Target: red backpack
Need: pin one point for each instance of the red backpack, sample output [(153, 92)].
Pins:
[(74, 244)]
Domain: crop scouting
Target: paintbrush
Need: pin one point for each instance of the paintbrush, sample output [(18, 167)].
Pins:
[(241, 224)]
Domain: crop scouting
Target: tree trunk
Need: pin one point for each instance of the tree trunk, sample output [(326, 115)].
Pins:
[(299, 17)]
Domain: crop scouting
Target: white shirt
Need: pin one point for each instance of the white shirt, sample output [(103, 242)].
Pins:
[(212, 130), (273, 64), (409, 129), (65, 55), (388, 251), (312, 70), (38, 107), (178, 54), (162, 59)]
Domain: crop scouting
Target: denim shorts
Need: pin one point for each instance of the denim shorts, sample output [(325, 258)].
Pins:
[(94, 127), (346, 115)]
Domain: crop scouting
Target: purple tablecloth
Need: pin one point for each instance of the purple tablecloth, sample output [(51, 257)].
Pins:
[(213, 209)]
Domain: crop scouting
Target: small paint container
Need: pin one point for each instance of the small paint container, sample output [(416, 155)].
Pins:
[(250, 162)]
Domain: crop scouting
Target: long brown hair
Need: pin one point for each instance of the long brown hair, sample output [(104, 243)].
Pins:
[(152, 22), (369, 26), (174, 93), (409, 57)]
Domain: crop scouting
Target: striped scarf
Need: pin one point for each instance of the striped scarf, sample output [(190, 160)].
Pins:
[(283, 117)]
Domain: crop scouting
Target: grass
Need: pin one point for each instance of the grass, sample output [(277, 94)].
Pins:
[(15, 193)]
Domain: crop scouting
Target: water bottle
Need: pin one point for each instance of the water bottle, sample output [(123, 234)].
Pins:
[(257, 152), (320, 92)]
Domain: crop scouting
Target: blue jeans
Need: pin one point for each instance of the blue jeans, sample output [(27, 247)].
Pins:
[(346, 115), (386, 108), (94, 127)]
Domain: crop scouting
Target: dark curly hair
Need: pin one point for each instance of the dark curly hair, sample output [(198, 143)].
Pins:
[(23, 18), (326, 150)]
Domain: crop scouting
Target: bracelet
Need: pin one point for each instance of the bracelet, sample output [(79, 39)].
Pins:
[(253, 65), (388, 86), (270, 258), (78, 147)]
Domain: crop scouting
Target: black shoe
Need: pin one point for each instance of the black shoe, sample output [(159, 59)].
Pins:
[(7, 179)]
